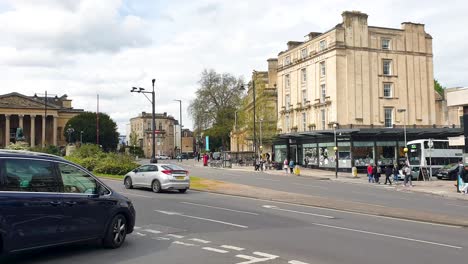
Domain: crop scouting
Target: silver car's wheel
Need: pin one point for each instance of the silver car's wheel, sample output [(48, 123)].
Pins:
[(116, 232), (156, 186), (128, 183)]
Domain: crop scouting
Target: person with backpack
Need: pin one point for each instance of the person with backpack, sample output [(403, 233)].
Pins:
[(388, 173), (291, 166)]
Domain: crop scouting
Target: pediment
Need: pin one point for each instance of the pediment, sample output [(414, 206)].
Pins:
[(17, 101)]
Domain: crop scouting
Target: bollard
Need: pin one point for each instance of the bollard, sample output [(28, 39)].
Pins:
[(297, 170), (354, 172)]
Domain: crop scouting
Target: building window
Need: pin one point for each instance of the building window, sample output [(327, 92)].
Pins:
[(323, 93), (288, 101), (387, 90), (287, 82), (322, 113), (387, 67), (287, 123), (303, 53), (385, 44), (287, 60), (304, 96), (304, 121), (303, 75), (323, 44), (322, 69), (388, 117)]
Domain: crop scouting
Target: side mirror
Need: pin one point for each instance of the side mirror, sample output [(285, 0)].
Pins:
[(135, 170)]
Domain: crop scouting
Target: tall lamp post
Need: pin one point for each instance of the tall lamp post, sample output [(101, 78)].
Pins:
[(335, 148), (153, 125), (237, 134), (242, 88), (404, 132), (45, 107), (180, 117), (261, 144)]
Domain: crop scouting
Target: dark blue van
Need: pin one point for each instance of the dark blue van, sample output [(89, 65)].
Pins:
[(46, 200)]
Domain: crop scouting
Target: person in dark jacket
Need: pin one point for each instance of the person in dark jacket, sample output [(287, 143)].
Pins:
[(396, 174), (388, 173), (377, 172), (464, 176)]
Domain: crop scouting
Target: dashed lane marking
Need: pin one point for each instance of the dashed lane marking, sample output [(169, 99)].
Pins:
[(273, 207), (152, 231), (136, 227), (201, 218), (184, 244), (251, 259), (175, 236), (138, 195), (140, 234), (161, 238), (220, 208), (215, 250), (200, 240), (232, 247), (297, 262)]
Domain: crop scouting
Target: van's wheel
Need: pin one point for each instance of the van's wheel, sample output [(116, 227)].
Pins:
[(156, 186), (128, 183), (116, 232), (182, 190)]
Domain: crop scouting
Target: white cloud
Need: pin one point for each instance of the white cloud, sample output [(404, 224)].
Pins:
[(86, 47)]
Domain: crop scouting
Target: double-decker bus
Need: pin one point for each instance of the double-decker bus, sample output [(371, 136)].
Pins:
[(421, 155)]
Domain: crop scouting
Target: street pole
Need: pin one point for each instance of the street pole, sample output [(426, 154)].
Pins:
[(81, 137), (180, 117), (261, 144), (153, 149), (254, 119), (336, 151), (237, 136)]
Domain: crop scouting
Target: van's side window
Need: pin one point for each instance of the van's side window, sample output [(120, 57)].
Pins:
[(28, 176), (76, 181)]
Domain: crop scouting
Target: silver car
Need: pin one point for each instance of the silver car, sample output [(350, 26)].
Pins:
[(158, 177)]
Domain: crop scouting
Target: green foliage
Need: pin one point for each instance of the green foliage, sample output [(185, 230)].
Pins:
[(438, 87), (50, 149), (94, 159), (86, 122), (18, 146)]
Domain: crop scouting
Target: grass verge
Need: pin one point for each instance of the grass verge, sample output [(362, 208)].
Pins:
[(109, 176)]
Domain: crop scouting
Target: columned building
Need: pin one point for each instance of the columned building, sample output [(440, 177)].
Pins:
[(363, 84), (42, 119)]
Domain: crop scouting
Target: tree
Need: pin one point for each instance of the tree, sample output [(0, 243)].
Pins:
[(439, 88), (213, 109), (133, 138), (86, 122)]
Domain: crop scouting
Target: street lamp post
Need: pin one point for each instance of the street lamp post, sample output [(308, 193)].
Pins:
[(336, 151), (261, 144), (153, 125), (45, 107), (237, 135), (254, 115), (180, 117)]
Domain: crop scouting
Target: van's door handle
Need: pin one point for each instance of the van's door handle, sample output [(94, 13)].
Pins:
[(55, 203), (70, 203)]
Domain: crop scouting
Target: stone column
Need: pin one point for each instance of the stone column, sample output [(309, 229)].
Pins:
[(33, 130), (20, 117), (7, 130), (43, 131), (54, 132)]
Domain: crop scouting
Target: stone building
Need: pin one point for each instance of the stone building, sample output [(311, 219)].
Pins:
[(266, 113), (363, 82), (188, 141), (42, 119), (165, 144)]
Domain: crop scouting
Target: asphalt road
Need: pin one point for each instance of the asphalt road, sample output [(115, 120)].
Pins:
[(199, 227), (370, 194)]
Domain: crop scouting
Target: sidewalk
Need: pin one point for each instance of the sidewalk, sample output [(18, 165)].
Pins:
[(435, 187)]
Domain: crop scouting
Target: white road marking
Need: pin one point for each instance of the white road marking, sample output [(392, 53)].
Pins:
[(161, 238), (232, 247), (184, 244), (140, 234), (337, 210), (386, 235), (201, 218), (200, 240), (251, 259), (152, 231), (220, 208), (136, 227), (175, 236), (297, 212), (215, 250), (138, 195), (466, 206), (296, 262)]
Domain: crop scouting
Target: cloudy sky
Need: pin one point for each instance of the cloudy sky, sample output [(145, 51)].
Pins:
[(86, 47)]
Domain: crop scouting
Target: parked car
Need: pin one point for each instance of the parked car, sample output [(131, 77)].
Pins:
[(448, 172), (46, 200), (182, 156), (162, 157), (158, 177)]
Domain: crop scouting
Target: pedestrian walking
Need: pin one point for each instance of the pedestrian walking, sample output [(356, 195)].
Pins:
[(408, 176), (291, 166), (388, 174), (464, 176), (396, 174), (377, 173), (286, 165), (370, 174)]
